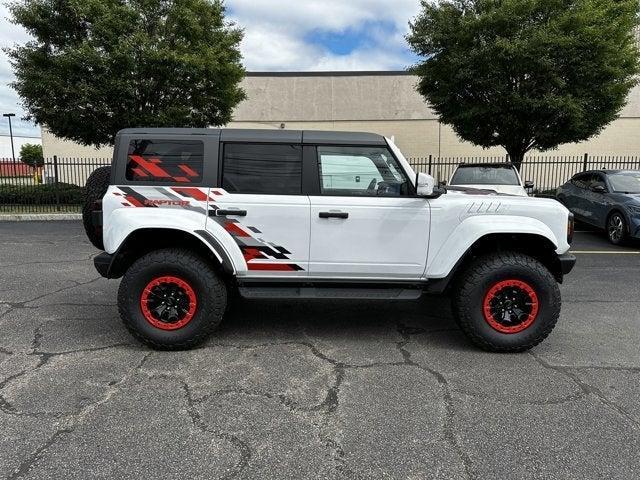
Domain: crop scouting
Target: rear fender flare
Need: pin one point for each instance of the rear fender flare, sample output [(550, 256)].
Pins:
[(123, 223)]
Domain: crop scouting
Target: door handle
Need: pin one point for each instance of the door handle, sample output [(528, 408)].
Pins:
[(343, 215), (229, 213)]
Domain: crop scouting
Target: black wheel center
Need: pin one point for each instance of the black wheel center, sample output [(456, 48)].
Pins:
[(168, 303), (511, 306)]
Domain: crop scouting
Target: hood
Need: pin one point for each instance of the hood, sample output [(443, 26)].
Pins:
[(474, 190), (504, 189)]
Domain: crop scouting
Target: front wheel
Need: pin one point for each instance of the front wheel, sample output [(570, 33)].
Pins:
[(171, 299), (617, 229), (507, 302)]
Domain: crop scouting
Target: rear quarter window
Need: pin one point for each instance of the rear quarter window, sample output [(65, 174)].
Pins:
[(165, 161)]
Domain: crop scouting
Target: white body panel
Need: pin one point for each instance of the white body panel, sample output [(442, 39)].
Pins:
[(382, 238), (123, 213), (459, 220), (276, 226)]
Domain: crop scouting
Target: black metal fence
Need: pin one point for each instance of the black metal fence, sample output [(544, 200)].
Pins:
[(546, 172), (58, 186)]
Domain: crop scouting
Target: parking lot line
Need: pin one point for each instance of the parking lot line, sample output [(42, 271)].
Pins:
[(603, 252)]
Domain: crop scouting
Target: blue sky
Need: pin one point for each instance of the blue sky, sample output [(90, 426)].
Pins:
[(282, 35)]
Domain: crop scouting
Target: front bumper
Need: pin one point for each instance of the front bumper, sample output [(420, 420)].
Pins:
[(567, 262), (634, 227)]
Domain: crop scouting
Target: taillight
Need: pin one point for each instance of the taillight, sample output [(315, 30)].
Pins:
[(571, 228)]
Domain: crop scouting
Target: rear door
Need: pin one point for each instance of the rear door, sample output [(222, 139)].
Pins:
[(262, 182), (573, 196), (366, 221), (598, 202)]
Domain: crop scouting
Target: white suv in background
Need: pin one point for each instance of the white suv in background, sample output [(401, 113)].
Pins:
[(499, 177), (188, 217)]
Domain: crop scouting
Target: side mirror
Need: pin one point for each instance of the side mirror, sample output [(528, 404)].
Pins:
[(442, 183), (529, 184), (599, 189), (425, 185)]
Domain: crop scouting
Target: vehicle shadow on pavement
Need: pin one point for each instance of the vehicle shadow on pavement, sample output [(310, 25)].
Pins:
[(347, 323)]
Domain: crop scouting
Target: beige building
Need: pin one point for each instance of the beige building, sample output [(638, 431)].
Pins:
[(381, 102)]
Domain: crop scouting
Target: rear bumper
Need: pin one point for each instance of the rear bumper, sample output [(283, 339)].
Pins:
[(103, 264), (567, 262)]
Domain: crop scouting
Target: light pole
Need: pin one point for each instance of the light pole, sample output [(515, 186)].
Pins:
[(13, 152)]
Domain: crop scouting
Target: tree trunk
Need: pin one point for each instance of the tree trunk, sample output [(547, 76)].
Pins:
[(516, 156)]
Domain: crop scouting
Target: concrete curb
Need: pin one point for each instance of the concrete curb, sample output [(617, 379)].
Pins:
[(39, 217)]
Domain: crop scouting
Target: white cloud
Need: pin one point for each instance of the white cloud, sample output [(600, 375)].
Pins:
[(276, 30), (277, 36), (11, 35)]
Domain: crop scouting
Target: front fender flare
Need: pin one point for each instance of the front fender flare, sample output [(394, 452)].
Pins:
[(442, 262)]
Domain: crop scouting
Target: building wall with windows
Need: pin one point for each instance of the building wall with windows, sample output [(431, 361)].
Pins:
[(379, 102)]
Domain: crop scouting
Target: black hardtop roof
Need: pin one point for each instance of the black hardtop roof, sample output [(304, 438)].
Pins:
[(315, 137)]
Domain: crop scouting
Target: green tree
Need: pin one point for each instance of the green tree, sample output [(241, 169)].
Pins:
[(97, 66), (31, 155), (526, 74)]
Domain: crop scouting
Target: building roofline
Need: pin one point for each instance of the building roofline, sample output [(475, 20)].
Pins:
[(353, 73)]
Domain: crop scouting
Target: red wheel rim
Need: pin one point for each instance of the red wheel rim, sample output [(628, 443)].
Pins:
[(511, 306), (168, 303)]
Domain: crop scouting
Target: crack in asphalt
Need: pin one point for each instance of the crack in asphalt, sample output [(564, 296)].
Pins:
[(44, 357), (554, 401), (75, 420), (242, 448), (24, 303), (23, 264), (27, 464), (589, 389), (448, 424)]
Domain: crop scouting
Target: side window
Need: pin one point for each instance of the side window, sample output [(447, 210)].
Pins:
[(598, 180), (165, 161), (262, 169), (581, 181), (360, 171)]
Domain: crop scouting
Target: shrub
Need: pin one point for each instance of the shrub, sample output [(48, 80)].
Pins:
[(41, 194)]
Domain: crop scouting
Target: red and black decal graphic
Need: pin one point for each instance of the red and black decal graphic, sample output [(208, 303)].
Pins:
[(257, 252), (255, 249), (194, 193), (153, 169), (135, 198)]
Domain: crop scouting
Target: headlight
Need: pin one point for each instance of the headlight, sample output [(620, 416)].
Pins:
[(571, 228), (634, 209)]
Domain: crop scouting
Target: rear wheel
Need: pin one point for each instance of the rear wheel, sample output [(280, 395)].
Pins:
[(617, 228), (171, 299), (95, 189), (507, 302)]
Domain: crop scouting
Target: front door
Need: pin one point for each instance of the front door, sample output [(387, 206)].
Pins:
[(263, 184), (366, 223)]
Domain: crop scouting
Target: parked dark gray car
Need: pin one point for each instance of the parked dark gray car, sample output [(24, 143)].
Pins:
[(607, 199)]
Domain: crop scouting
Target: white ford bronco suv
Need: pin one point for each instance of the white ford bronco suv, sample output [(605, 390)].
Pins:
[(190, 217)]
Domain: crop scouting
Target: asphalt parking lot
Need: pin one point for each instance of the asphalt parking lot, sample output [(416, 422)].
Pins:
[(310, 390)]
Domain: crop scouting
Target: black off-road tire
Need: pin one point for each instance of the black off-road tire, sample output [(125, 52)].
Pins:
[(474, 286), (210, 293), (95, 189)]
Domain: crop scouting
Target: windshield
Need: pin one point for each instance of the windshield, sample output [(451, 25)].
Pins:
[(625, 182), (485, 175)]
